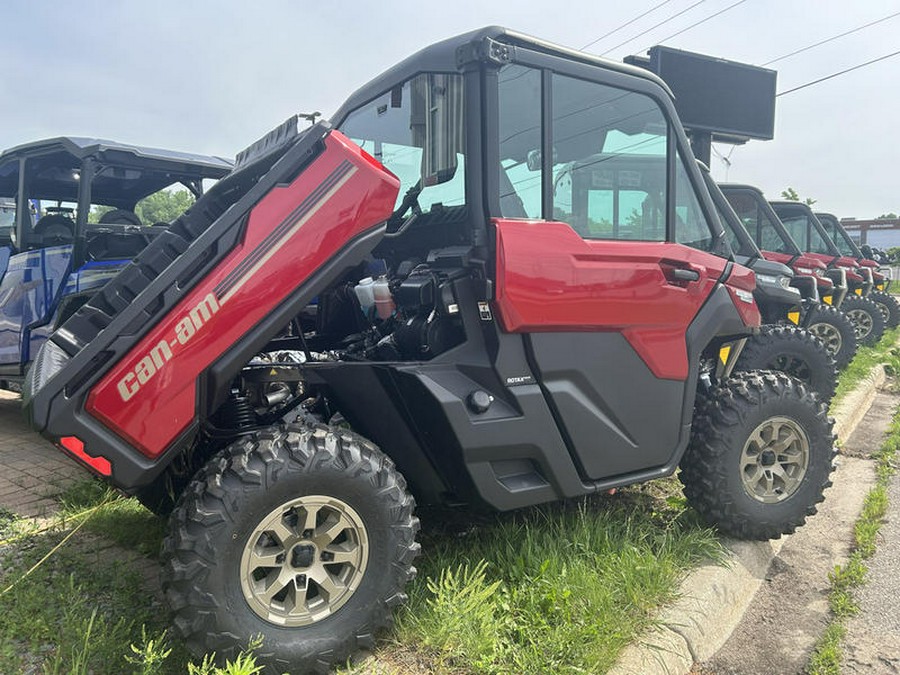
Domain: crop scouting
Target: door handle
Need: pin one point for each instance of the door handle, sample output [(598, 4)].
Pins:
[(682, 274)]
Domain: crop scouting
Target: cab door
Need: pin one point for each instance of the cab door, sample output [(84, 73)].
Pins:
[(607, 270)]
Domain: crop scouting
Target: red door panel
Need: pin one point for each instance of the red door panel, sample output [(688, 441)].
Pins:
[(549, 279)]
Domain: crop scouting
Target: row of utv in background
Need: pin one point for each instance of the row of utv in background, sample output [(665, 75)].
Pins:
[(496, 278)]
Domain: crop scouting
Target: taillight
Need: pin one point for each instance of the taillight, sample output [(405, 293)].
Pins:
[(75, 446)]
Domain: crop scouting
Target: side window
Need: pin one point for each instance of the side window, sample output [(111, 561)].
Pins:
[(520, 142), (757, 223), (796, 227), (691, 225), (609, 161), (7, 221)]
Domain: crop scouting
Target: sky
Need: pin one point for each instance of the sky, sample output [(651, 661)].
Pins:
[(213, 76)]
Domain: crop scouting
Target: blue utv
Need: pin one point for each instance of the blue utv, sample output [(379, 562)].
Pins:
[(52, 256)]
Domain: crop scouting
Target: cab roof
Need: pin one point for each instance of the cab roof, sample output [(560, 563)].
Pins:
[(81, 147), (448, 55), (131, 172)]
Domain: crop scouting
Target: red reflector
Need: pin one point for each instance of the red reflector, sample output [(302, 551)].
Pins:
[(74, 445)]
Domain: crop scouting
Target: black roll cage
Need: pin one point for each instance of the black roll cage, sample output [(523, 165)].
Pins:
[(90, 163)]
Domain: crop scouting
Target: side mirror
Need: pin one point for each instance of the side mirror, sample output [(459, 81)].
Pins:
[(437, 109)]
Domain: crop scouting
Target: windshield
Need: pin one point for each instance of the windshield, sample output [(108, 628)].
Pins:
[(398, 126)]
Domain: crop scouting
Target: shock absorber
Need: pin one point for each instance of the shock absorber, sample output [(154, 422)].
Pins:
[(236, 412)]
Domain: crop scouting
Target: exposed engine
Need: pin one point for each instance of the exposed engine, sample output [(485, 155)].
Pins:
[(410, 315)]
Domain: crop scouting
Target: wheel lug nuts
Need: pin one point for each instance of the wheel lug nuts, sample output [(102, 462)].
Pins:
[(326, 556), (307, 534)]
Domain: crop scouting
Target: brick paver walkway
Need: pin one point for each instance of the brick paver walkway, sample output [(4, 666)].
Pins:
[(31, 469)]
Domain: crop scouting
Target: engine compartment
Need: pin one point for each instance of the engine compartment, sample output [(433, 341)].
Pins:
[(376, 313)]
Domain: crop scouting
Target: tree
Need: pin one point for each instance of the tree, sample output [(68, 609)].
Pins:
[(791, 195), (890, 215), (160, 207), (97, 212), (163, 206)]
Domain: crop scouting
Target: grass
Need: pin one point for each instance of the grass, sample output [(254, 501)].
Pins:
[(564, 587), (845, 579), (83, 609), (885, 351), (561, 588)]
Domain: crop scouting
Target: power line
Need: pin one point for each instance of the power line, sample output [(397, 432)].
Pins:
[(694, 25), (842, 72), (832, 38), (626, 24), (661, 23)]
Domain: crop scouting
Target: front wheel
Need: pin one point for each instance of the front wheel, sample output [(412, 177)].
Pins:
[(835, 330), (889, 307), (760, 455), (794, 351), (302, 535), (867, 319)]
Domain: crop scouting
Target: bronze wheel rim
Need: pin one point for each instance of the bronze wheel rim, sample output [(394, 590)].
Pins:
[(829, 335), (304, 560), (774, 460), (862, 322)]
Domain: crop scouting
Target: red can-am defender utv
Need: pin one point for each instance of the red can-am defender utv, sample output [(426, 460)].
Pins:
[(807, 231), (781, 344), (521, 342), (879, 277), (822, 289)]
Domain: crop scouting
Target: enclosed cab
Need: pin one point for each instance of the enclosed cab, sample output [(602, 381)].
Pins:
[(68, 225), (879, 277), (799, 220), (823, 290), (779, 297), (803, 226), (784, 342), (766, 229)]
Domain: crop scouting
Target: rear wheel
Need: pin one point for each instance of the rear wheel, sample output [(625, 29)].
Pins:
[(868, 322), (760, 455), (303, 535), (890, 308), (835, 330), (793, 351)]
